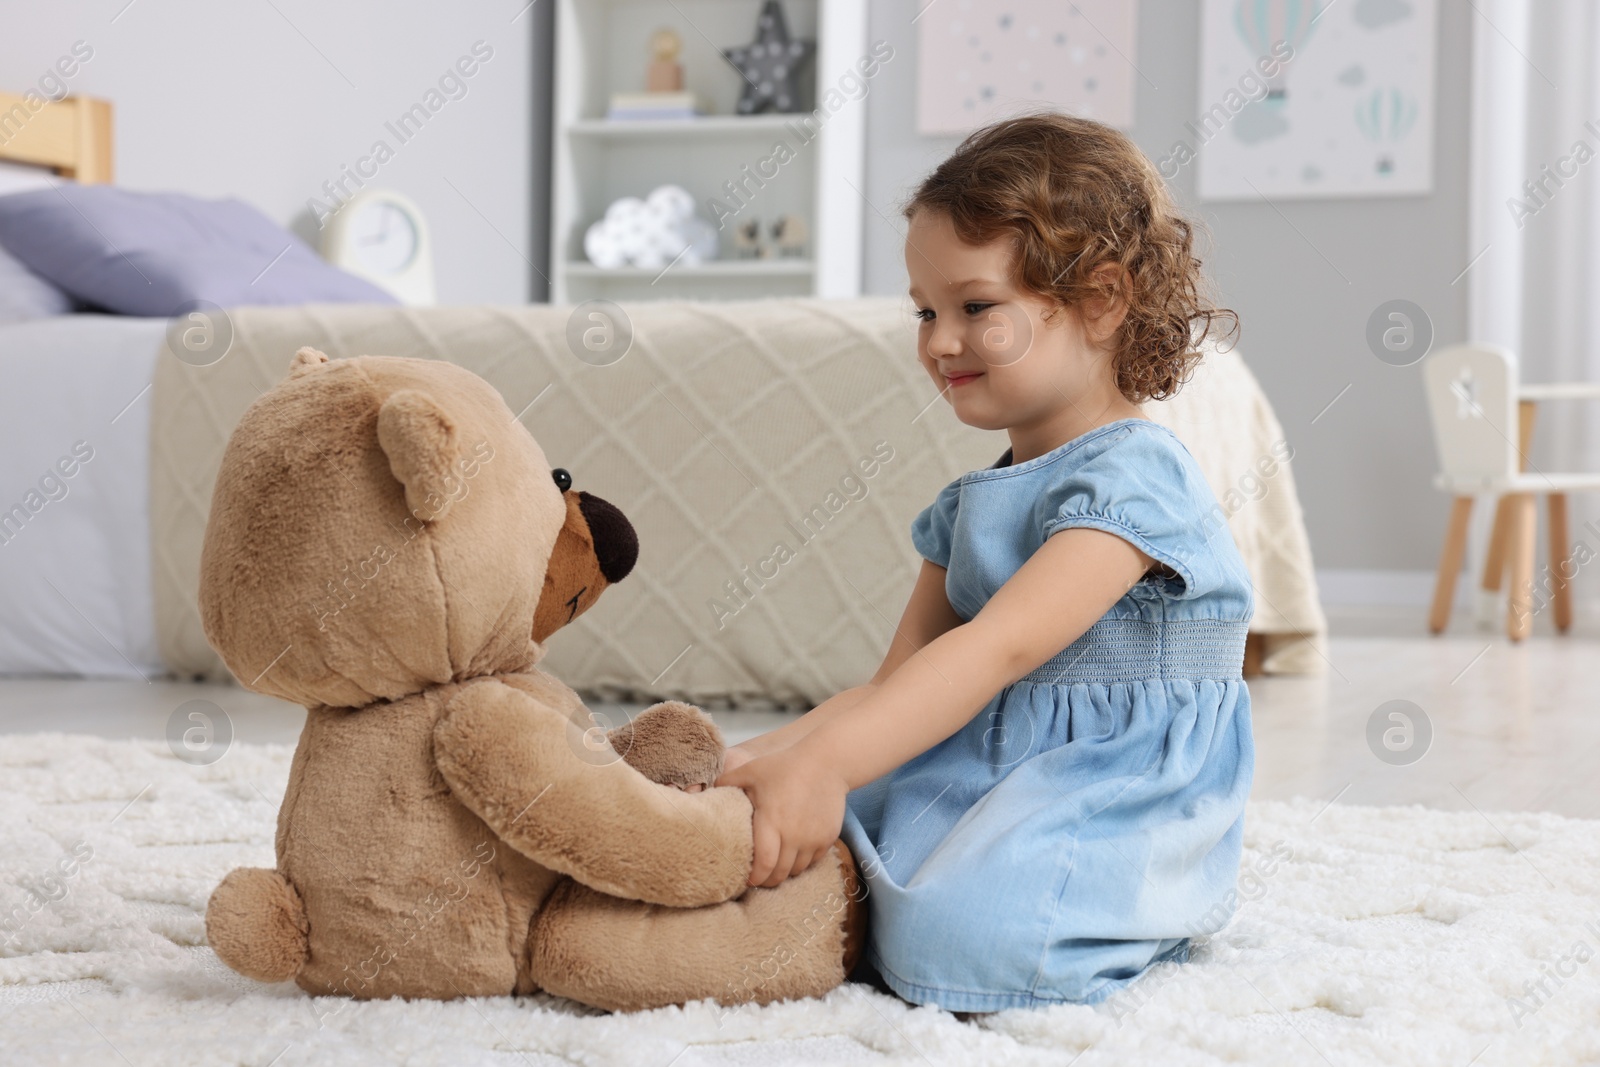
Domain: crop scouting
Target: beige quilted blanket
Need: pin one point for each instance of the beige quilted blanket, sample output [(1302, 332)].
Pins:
[(735, 436)]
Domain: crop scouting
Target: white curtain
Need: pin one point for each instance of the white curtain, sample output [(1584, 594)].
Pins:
[(1536, 289)]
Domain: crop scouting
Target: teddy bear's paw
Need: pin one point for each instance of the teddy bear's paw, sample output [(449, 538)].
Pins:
[(672, 743)]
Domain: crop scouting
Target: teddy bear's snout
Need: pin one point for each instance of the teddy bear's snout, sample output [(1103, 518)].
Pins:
[(616, 545)]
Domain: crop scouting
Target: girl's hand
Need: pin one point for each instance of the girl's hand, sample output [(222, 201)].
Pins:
[(799, 808)]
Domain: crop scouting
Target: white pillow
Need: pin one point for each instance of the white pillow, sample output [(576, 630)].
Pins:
[(22, 178)]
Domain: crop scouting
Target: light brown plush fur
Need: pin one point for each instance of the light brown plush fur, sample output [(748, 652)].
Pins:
[(387, 546)]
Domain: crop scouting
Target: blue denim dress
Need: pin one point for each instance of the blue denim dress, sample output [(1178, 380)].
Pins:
[(1088, 821)]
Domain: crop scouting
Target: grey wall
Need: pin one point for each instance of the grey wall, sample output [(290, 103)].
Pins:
[(1304, 275), (266, 102)]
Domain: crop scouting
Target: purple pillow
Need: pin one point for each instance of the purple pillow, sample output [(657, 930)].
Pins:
[(24, 295), (153, 254)]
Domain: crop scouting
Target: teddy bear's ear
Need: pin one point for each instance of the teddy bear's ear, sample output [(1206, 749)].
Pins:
[(422, 444), (306, 360)]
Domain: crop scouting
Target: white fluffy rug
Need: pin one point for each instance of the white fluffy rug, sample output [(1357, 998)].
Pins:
[(1365, 935)]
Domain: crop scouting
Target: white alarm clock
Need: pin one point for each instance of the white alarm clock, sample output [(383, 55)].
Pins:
[(381, 236)]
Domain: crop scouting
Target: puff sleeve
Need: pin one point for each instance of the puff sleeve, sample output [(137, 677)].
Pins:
[(1146, 488), (933, 530)]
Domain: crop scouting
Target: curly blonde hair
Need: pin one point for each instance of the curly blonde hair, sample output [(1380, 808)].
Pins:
[(1073, 195)]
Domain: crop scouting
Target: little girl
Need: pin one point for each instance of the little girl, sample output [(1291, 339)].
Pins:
[(1044, 783)]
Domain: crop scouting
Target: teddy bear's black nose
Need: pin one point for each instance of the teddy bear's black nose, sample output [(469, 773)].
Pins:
[(616, 545)]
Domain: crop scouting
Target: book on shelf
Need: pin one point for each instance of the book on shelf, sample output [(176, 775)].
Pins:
[(660, 105)]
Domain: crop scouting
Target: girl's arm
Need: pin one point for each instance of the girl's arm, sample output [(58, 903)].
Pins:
[(798, 793), (928, 614)]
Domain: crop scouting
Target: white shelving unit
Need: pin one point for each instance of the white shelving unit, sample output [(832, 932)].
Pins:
[(602, 47)]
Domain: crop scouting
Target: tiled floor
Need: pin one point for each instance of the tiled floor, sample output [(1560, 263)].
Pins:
[(1513, 727)]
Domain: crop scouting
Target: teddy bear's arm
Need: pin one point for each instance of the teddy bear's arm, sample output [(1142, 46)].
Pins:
[(523, 768)]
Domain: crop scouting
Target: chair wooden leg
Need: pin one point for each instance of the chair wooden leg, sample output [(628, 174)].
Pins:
[(1494, 563), (1494, 559), (1521, 527), (1560, 562), (1455, 546)]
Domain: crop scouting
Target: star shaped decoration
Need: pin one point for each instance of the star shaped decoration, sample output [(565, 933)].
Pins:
[(770, 64)]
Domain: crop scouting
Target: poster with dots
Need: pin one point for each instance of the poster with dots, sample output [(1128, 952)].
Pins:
[(1312, 98), (981, 60)]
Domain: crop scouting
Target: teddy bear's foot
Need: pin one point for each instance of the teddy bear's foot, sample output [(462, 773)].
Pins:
[(799, 939), (257, 925), (672, 743)]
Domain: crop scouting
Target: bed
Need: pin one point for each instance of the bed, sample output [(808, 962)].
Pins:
[(75, 574), (724, 427)]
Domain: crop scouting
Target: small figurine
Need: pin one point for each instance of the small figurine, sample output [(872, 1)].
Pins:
[(747, 242), (665, 73), (789, 235), (664, 96)]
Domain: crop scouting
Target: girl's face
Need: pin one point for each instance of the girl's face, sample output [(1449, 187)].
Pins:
[(1003, 357)]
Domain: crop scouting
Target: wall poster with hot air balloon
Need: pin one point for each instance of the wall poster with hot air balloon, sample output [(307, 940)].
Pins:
[(1313, 98)]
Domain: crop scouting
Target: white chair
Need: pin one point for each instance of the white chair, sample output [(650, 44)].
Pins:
[(1482, 427)]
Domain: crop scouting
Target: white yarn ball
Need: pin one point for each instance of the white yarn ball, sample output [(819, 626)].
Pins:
[(651, 233), (625, 210), (601, 246), (649, 257), (673, 201)]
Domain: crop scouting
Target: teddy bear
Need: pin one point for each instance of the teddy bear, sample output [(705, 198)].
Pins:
[(388, 546)]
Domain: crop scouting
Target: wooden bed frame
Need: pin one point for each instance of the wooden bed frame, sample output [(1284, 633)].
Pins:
[(70, 136)]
